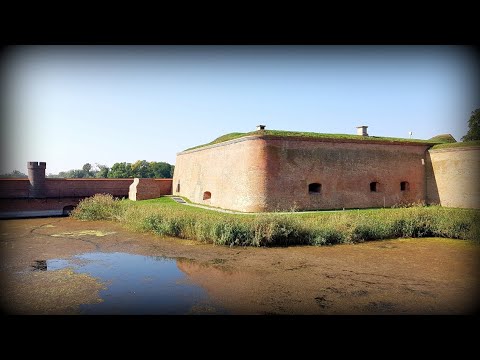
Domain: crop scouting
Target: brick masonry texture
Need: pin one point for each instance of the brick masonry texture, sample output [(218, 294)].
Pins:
[(260, 173), (23, 195), (265, 173), (143, 189), (30, 204), (54, 188), (234, 174), (345, 171), (454, 177)]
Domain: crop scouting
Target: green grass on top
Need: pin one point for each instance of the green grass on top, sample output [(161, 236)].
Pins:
[(223, 138), (457, 145), (444, 138), (282, 133)]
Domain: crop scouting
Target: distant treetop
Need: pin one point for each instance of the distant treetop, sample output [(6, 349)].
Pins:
[(15, 174), (473, 127)]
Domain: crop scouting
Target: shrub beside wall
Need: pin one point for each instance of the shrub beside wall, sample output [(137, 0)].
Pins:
[(167, 218)]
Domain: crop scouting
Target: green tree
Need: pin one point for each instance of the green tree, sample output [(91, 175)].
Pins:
[(120, 171), (14, 174), (161, 170), (86, 169), (473, 127), (142, 169), (77, 174), (102, 172)]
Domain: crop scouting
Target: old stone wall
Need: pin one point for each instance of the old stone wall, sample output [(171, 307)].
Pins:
[(262, 173), (14, 188), (30, 207), (86, 187), (231, 175), (453, 177), (343, 172), (143, 189), (19, 198), (21, 188)]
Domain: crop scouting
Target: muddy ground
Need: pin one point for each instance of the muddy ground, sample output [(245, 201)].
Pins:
[(400, 276)]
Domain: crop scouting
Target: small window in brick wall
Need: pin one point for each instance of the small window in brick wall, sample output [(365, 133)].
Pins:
[(404, 186), (374, 186), (207, 195), (314, 188)]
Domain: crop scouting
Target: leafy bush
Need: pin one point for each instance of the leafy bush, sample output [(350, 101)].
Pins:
[(98, 207), (167, 218)]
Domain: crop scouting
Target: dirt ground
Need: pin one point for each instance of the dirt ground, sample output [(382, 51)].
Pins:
[(400, 276)]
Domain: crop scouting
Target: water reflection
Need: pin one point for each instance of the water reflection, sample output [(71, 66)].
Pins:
[(137, 284)]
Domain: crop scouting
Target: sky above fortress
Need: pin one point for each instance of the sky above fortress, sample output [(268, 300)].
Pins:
[(69, 105)]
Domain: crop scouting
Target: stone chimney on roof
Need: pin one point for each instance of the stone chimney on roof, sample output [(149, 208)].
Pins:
[(362, 130), (260, 127)]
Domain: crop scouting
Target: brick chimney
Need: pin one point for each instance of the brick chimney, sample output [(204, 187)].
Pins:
[(362, 130)]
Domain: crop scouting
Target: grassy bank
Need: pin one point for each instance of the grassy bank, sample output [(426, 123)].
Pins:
[(167, 218), (466, 144), (313, 135)]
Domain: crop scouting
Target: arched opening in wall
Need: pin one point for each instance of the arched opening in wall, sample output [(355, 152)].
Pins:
[(374, 186), (67, 210), (314, 188), (207, 195), (404, 186), (178, 186)]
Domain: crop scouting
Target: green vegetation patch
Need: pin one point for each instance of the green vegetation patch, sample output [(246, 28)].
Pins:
[(457, 145), (313, 135), (165, 217), (444, 138)]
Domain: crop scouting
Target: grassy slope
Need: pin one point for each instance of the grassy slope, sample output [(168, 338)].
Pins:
[(167, 218), (444, 138), (457, 145), (281, 133)]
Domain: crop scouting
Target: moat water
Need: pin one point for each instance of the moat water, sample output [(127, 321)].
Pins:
[(137, 285)]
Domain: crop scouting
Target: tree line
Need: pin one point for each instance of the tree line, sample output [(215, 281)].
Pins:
[(121, 170)]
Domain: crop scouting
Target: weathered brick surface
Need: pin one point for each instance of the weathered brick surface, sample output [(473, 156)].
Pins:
[(87, 187), (345, 171), (455, 177), (143, 189), (19, 188), (30, 204), (19, 196), (266, 174), (14, 188), (235, 174)]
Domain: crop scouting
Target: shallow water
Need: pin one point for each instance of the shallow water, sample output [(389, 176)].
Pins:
[(137, 285)]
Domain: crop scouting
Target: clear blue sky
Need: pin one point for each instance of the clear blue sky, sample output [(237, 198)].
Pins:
[(103, 104)]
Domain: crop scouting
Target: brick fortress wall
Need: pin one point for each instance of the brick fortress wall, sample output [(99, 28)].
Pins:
[(264, 173), (344, 171), (453, 175), (143, 189), (233, 174), (40, 196)]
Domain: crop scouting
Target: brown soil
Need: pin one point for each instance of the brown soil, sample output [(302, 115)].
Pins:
[(401, 276)]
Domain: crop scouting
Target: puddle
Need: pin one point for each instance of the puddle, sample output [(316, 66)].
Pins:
[(136, 284)]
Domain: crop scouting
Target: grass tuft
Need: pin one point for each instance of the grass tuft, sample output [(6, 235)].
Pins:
[(165, 217), (313, 135)]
